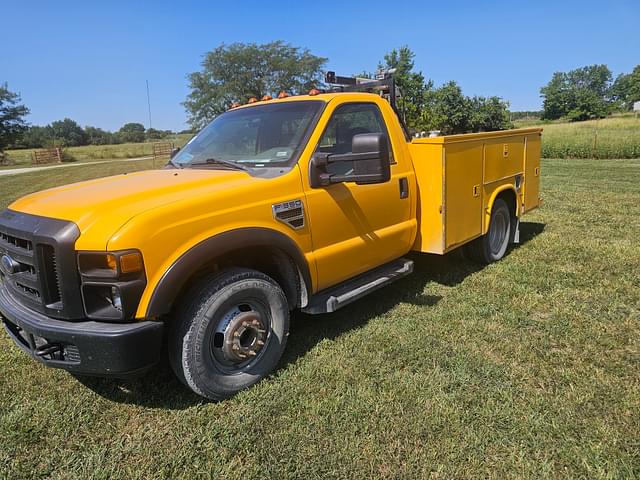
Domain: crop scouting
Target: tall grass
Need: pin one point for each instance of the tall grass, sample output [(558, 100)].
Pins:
[(614, 137), (99, 152)]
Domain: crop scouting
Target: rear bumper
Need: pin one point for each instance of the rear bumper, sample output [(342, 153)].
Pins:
[(84, 347)]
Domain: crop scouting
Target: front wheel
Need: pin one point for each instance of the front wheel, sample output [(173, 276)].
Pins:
[(492, 246), (229, 333)]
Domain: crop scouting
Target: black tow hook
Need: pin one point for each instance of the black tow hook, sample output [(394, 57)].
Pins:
[(48, 349)]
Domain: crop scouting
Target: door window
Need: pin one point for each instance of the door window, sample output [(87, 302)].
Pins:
[(348, 120)]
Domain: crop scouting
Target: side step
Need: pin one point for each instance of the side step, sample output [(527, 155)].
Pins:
[(333, 298)]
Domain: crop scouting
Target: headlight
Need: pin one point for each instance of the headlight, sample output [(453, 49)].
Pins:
[(112, 283), (110, 264)]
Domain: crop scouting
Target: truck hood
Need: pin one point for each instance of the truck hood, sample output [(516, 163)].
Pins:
[(103, 205)]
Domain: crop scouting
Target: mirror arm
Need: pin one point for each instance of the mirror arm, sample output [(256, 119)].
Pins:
[(326, 179), (321, 159)]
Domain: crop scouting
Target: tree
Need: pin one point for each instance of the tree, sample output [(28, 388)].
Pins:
[(131, 133), (444, 108), (579, 94), (12, 113), (489, 114), (626, 89), (154, 134), (411, 84), (236, 72), (447, 110), (68, 133), (98, 136), (37, 137)]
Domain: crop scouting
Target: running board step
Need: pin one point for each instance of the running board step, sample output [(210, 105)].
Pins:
[(333, 298)]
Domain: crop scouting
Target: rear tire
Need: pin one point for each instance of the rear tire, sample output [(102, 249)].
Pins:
[(493, 245), (229, 332)]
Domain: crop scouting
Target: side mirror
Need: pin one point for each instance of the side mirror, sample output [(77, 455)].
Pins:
[(174, 152), (369, 158)]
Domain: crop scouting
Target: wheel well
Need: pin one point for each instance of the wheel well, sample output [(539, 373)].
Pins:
[(268, 260), (509, 197)]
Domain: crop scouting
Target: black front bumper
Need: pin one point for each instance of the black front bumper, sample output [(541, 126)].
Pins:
[(83, 347)]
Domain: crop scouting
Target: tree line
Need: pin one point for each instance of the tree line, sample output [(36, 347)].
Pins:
[(234, 73), (68, 133), (589, 92)]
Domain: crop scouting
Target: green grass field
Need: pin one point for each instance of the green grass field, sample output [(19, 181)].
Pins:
[(526, 368), (613, 137), (20, 158)]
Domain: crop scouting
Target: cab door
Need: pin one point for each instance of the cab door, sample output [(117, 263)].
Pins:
[(355, 228)]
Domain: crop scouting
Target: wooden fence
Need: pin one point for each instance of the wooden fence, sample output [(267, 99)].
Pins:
[(47, 155), (162, 149)]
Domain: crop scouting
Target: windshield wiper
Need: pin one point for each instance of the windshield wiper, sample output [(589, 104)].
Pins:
[(217, 161), (175, 164)]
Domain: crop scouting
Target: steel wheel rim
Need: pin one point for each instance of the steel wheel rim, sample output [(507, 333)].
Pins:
[(240, 337), (498, 232)]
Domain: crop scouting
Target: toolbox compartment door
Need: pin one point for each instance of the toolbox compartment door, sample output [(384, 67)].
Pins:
[(503, 158), (463, 192), (532, 172)]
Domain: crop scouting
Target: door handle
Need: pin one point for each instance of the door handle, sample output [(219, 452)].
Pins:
[(404, 187)]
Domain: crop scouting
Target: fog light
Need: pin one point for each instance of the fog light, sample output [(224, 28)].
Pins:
[(116, 299)]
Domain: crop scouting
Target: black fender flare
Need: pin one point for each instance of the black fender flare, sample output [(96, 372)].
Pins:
[(174, 279)]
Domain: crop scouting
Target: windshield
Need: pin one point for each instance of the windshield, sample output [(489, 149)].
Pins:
[(261, 136)]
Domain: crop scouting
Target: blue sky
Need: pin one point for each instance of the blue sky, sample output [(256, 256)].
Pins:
[(89, 60)]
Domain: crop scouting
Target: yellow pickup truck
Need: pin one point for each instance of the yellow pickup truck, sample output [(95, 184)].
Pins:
[(302, 202)]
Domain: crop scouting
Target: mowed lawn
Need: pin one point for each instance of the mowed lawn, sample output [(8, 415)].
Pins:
[(526, 368)]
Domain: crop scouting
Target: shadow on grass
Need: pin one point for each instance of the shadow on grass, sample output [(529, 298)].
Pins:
[(159, 388)]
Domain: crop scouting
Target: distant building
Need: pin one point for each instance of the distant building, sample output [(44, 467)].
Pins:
[(636, 106)]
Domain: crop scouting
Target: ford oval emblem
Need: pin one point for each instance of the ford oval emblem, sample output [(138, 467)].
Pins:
[(9, 265)]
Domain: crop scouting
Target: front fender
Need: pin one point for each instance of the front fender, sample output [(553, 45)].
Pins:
[(173, 279)]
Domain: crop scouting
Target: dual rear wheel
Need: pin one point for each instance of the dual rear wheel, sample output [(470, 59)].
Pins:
[(493, 245)]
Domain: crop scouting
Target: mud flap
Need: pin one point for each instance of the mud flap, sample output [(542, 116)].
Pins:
[(515, 236)]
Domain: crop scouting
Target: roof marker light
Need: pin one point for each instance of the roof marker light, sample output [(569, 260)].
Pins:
[(283, 94), (314, 91), (252, 100), (266, 98), (234, 105)]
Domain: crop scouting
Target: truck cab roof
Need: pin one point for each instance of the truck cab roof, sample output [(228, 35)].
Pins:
[(326, 97)]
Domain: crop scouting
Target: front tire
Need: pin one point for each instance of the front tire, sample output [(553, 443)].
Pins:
[(493, 245), (229, 333)]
